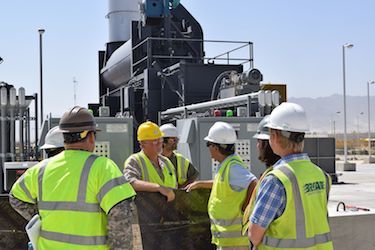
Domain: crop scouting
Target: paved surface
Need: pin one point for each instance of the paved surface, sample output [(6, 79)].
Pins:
[(355, 188)]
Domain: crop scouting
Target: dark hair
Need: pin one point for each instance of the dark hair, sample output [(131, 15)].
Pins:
[(70, 138), (53, 151), (266, 154), (225, 149)]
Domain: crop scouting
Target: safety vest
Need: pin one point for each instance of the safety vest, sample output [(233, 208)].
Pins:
[(304, 223), (150, 174), (250, 207), (74, 192), (224, 207), (182, 168)]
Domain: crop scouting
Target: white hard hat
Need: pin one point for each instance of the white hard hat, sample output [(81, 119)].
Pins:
[(262, 131), (221, 133), (169, 130), (54, 139), (289, 117)]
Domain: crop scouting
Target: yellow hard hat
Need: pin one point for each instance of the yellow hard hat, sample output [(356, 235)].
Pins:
[(149, 131)]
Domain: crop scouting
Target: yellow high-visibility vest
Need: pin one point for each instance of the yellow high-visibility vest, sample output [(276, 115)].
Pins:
[(225, 207), (182, 168), (304, 223), (150, 174), (74, 192)]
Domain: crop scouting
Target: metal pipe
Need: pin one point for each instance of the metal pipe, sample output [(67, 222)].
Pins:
[(12, 134), (21, 133), (28, 142), (36, 125), (41, 31), (3, 134), (221, 103), (369, 120), (3, 104)]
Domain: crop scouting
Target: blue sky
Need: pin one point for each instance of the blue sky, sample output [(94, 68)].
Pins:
[(295, 42)]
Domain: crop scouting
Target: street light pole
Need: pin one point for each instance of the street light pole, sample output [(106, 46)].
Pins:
[(369, 120), (348, 45), (358, 137), (41, 31)]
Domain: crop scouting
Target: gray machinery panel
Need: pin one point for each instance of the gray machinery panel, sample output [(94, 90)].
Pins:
[(191, 144), (115, 140), (322, 152)]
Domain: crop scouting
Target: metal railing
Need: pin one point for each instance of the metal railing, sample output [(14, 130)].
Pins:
[(225, 56)]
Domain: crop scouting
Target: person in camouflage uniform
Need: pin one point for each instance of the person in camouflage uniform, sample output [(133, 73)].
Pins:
[(115, 198)]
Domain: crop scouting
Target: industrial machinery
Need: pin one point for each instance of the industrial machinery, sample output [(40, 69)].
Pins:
[(15, 125), (155, 60), (155, 67), (115, 139), (17, 153)]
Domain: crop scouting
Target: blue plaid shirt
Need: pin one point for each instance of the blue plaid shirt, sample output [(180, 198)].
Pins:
[(271, 198)]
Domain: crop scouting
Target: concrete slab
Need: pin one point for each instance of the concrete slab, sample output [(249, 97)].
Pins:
[(353, 229)]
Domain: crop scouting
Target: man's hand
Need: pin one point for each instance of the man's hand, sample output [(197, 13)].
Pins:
[(167, 193)]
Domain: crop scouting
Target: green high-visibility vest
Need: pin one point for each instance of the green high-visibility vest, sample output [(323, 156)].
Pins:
[(224, 207), (74, 192), (304, 223), (150, 174), (182, 168)]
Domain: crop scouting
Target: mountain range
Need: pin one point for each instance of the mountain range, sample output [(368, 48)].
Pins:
[(326, 114)]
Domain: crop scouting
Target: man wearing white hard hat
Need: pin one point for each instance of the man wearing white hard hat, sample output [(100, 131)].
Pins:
[(53, 143), (290, 210), (231, 189), (186, 172)]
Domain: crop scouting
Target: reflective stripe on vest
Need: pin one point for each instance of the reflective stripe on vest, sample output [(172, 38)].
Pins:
[(143, 166), (145, 171), (235, 234), (182, 164), (79, 205), (225, 223), (301, 241), (182, 168), (24, 188), (74, 239)]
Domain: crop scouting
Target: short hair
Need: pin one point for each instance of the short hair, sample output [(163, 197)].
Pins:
[(289, 144), (71, 138), (225, 149)]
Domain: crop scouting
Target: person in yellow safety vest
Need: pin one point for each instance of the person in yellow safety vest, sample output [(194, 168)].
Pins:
[(148, 170), (83, 200), (290, 210), (265, 155), (186, 172), (53, 143), (231, 189)]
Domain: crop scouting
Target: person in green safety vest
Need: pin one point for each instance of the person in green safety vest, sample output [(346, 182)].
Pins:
[(230, 189), (265, 155), (186, 172), (83, 200), (148, 170), (290, 208)]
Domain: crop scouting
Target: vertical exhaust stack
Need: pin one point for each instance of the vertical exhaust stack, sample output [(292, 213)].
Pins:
[(120, 15)]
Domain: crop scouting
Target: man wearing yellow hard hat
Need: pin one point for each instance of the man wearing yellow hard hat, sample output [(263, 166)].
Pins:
[(148, 170)]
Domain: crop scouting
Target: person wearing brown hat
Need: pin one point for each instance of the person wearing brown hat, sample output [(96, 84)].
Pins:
[(83, 200)]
